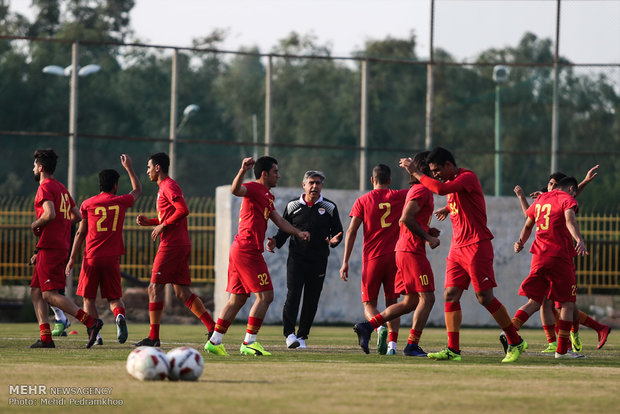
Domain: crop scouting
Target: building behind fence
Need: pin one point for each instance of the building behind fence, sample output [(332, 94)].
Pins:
[(597, 272)]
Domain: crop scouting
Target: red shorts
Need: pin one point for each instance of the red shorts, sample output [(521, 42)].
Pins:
[(49, 270), (104, 272), (376, 272), (550, 277), (472, 263), (171, 265), (414, 273), (247, 272)]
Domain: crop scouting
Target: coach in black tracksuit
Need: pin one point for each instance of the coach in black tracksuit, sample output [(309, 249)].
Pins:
[(307, 260)]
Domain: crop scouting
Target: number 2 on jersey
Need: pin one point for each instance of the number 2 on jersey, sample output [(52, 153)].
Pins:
[(104, 215), (388, 209)]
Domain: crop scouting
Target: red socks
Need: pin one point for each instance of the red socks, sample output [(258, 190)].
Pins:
[(46, 332)]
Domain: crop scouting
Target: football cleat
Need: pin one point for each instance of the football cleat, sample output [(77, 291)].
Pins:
[(550, 348), (99, 340), (363, 331), (504, 341), (414, 350), (215, 349), (602, 336), (392, 352), (148, 342), (382, 335), (254, 348), (445, 354), (93, 332), (569, 355), (60, 328), (514, 351), (121, 329), (41, 344), (575, 340)]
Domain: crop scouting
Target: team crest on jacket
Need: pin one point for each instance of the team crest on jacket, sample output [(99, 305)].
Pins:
[(321, 211)]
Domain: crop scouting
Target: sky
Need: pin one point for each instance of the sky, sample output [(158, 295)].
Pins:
[(589, 30)]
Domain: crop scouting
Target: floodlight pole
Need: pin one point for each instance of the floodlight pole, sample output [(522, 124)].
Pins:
[(73, 116), (428, 143), (268, 104), (555, 112), (172, 149), (363, 125), (498, 141)]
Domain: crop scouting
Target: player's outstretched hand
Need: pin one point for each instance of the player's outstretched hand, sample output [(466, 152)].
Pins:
[(435, 232), (518, 191), (304, 235), (536, 194), (518, 246), (442, 213), (69, 266), (433, 242), (271, 243), (580, 248), (142, 220), (247, 163), (344, 272), (592, 172), (126, 161)]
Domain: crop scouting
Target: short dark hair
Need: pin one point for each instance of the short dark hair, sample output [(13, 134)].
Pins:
[(46, 158), (107, 180), (557, 176), (161, 159), (382, 174), (567, 182), (440, 156), (419, 160), (264, 163)]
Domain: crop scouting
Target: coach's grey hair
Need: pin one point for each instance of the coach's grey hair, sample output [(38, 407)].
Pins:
[(314, 173)]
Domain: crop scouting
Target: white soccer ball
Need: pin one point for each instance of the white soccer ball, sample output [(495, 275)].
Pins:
[(147, 363), (186, 364)]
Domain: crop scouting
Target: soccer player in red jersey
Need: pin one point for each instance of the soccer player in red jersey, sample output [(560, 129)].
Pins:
[(471, 253), (552, 273), (102, 227), (379, 211), (247, 270), (171, 264), (548, 314), (414, 279), (55, 211)]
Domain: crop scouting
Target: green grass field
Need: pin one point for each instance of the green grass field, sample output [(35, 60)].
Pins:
[(332, 376)]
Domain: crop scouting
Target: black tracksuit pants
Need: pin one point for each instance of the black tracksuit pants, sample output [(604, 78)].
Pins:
[(303, 276)]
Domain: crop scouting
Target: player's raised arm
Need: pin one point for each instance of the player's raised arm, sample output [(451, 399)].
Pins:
[(521, 196), (236, 188), (136, 185)]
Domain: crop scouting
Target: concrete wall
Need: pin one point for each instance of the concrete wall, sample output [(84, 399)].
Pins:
[(340, 301)]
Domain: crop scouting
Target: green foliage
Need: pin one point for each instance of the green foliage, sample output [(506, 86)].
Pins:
[(315, 102)]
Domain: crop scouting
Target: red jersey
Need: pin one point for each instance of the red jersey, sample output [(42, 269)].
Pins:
[(256, 208), (468, 211), (552, 235), (57, 233), (174, 234), (105, 214), (380, 211), (407, 241)]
